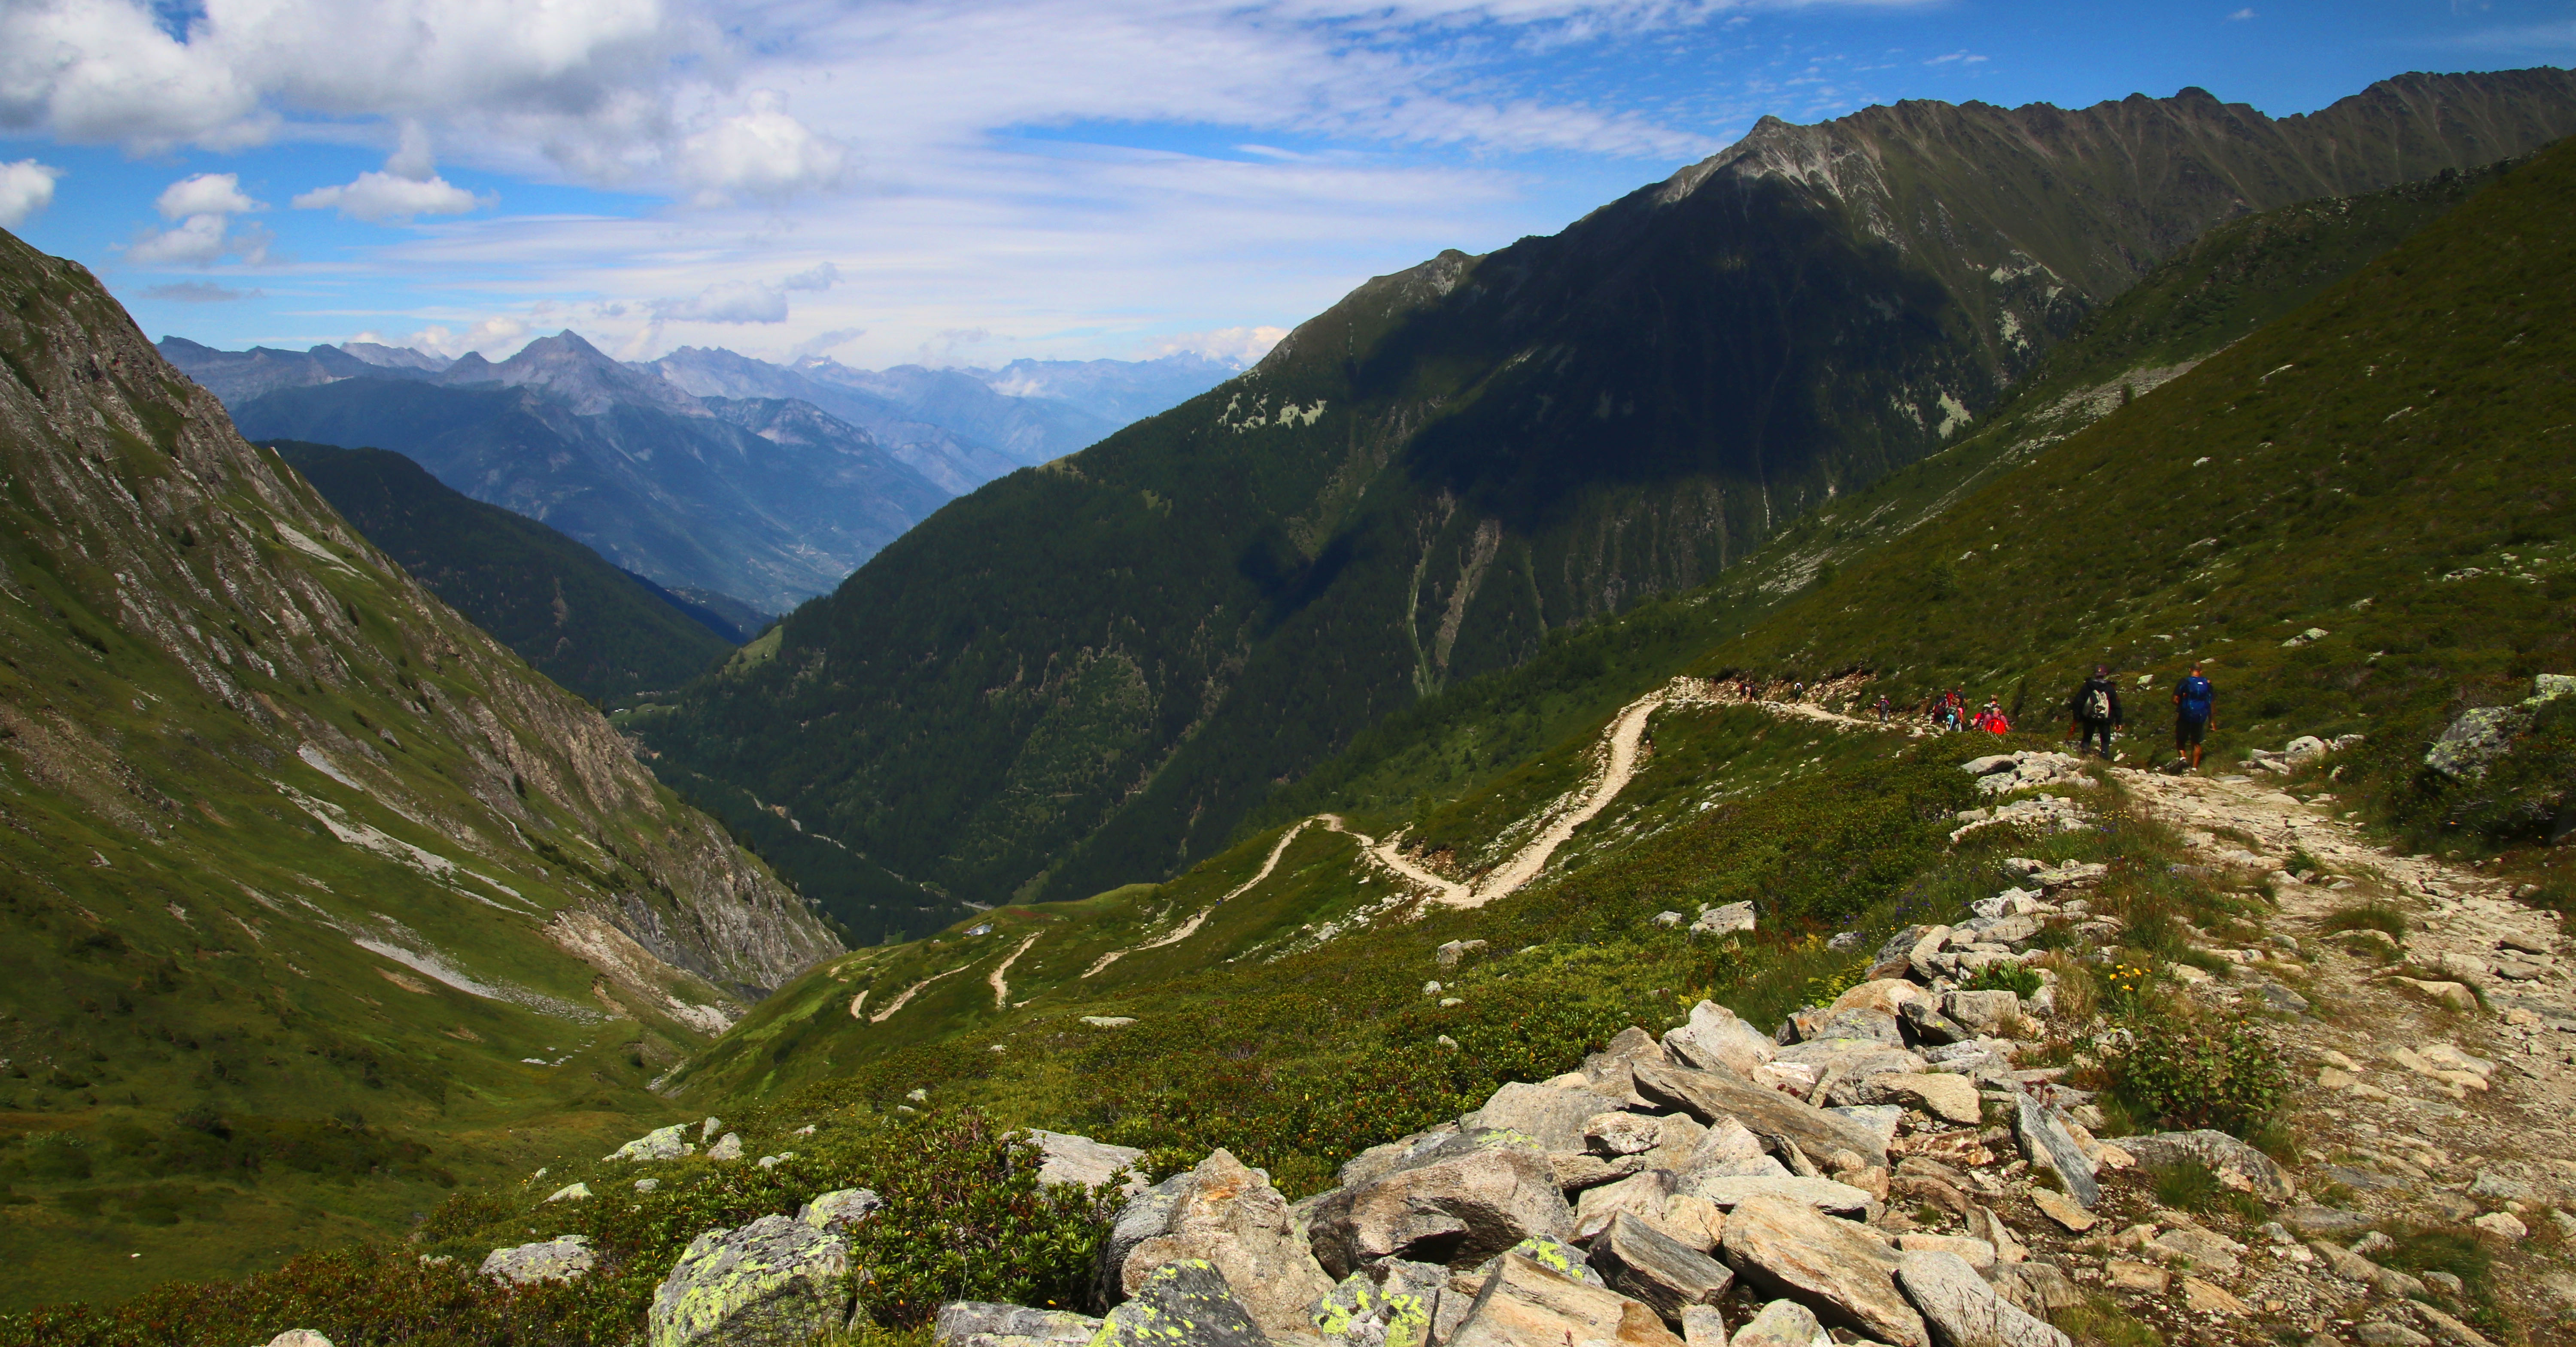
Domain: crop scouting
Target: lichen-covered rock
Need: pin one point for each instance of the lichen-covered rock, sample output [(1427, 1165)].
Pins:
[(728, 1148), (1548, 1252), (1646, 1264), (840, 1209), (1525, 1304), (1840, 1269), (1709, 1096), (299, 1337), (1362, 1313), (553, 1260), (1962, 1310), (1183, 1304), (1554, 1117), (1468, 1206), (570, 1192), (1226, 1214), (776, 1280), (1083, 1161), (662, 1143), (975, 1323)]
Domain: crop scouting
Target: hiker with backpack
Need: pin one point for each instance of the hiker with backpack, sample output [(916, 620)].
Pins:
[(2096, 706), (2195, 711)]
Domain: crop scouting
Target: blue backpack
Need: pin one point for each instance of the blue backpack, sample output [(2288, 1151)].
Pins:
[(2196, 693)]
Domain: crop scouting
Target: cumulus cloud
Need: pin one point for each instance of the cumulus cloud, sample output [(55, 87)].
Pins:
[(205, 194), (1240, 345), (196, 241), (382, 198), (200, 292), (819, 276), (26, 187), (494, 337), (763, 153)]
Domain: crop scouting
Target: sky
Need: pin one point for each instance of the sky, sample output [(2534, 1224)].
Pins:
[(975, 181)]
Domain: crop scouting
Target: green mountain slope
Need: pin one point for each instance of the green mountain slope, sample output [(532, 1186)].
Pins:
[(2391, 459), (314, 900), (1088, 674), (602, 632)]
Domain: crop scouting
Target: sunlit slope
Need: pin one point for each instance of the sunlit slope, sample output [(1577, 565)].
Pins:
[(310, 892)]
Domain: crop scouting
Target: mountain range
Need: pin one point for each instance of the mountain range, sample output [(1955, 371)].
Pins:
[(704, 470), (1092, 674)]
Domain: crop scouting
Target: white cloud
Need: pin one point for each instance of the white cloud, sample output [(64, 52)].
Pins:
[(196, 241), (2241, 15), (728, 302), (819, 276), (26, 187), (205, 194), (385, 197), (1242, 345), (200, 292), (761, 152), (495, 338)]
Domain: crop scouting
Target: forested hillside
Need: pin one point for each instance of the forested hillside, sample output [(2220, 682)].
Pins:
[(1089, 674)]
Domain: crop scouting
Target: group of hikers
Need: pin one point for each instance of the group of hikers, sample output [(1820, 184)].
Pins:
[(2095, 709)]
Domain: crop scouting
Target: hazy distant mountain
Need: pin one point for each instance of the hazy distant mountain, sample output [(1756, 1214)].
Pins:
[(1115, 391), (953, 462), (770, 501)]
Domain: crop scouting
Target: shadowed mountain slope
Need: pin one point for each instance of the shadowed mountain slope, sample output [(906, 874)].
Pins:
[(1086, 674), (314, 899)]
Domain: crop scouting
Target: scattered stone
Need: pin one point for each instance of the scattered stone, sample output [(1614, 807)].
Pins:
[(1977, 1253), (839, 1209), (2381, 1333), (647, 1185), (2062, 1209), (1643, 1262), (1082, 1161), (1709, 1096), (1622, 1133), (2122, 1274), (1109, 1021), (2448, 1329), (1183, 1304), (2045, 1142), (1644, 1194), (972, 1323), (1950, 1098), (2502, 1225), (662, 1143), (1525, 1304), (1729, 919), (2204, 1249), (1449, 954), (1996, 1013), (1226, 1214), (1358, 1313), (2202, 1297), (1715, 1039), (1473, 1205), (728, 1149), (2320, 1221), (1962, 1310), (1838, 1268), (299, 1337), (776, 1279), (1817, 1194), (1704, 1326), (570, 1192), (554, 1260), (1555, 1118)]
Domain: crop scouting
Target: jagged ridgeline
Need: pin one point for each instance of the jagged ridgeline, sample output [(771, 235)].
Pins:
[(314, 900), (2383, 463), (1087, 674)]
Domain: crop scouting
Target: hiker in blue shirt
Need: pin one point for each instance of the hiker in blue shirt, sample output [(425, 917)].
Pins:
[(2195, 708)]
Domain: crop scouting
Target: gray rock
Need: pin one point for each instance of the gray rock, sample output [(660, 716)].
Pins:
[(2045, 1141), (1639, 1194), (2224, 1155), (1839, 1269), (1708, 1097), (553, 1260), (730, 1148), (1715, 1039), (1950, 1098), (1879, 1120), (1449, 954), (1387, 1157), (2476, 739), (1995, 1013), (2321, 1222), (1555, 1118), (1782, 1323), (710, 1127), (1729, 919), (2448, 1329), (1557, 1256), (1704, 1326), (662, 1143), (1227, 1215), (1525, 1304), (973, 1323), (1183, 1304), (1146, 1215), (840, 1208), (2381, 1333), (1469, 1206), (1922, 1017), (774, 1280), (299, 1337), (1622, 1133), (1645, 1263), (1963, 1311), (1083, 1161), (1607, 1071), (1817, 1194), (2496, 1187)]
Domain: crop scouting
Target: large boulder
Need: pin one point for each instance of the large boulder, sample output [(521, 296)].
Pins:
[(975, 1323), (1782, 1323), (1992, 1013), (1183, 1304), (1641, 1261), (662, 1143), (1638, 1194), (1554, 1117), (1821, 1194), (1950, 1098), (1226, 1214), (1608, 1071), (1525, 1304), (553, 1260), (1083, 1161), (1963, 1311), (1840, 1269), (1362, 1313), (2236, 1164), (1715, 1039), (1454, 1208), (776, 1280), (2046, 1143), (1709, 1096), (840, 1208)]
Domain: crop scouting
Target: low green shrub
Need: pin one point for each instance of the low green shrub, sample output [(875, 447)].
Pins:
[(2189, 1185), (2019, 979), (2187, 1074), (2380, 917)]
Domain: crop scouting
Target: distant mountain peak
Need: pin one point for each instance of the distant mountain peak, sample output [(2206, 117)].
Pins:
[(395, 357), (580, 375)]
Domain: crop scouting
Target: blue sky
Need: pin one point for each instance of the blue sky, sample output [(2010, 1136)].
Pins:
[(979, 180)]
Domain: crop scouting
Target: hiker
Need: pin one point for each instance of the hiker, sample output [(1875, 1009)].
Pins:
[(2195, 709), (2096, 706), (1992, 720), (1882, 707)]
